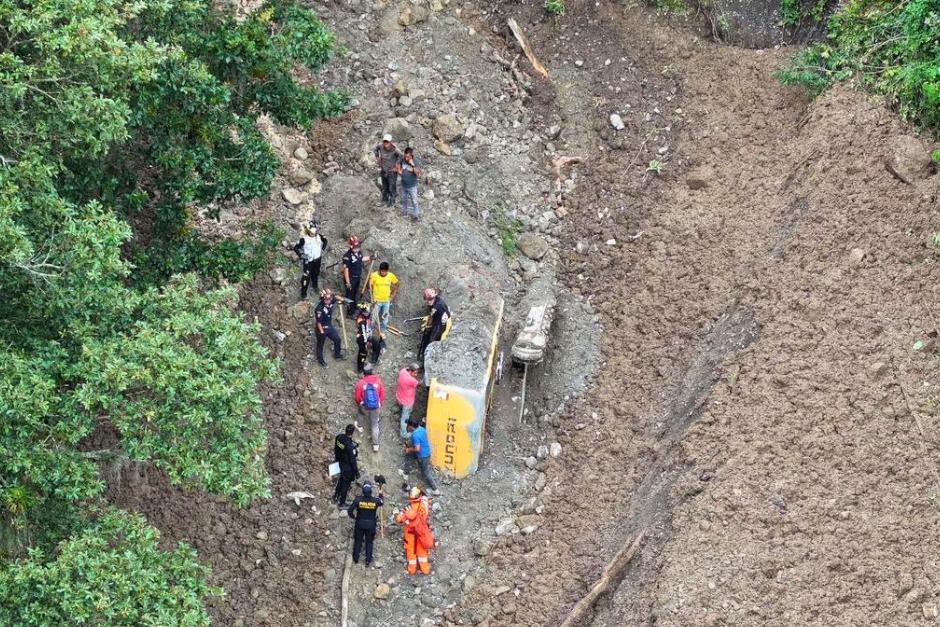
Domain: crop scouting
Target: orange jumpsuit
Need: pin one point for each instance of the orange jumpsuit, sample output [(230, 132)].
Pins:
[(415, 551)]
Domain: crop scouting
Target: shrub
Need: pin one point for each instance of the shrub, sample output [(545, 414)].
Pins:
[(555, 7), (891, 48)]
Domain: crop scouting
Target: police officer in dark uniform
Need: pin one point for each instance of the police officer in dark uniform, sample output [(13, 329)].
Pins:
[(365, 510), (436, 321), (346, 454), (324, 326), (352, 274)]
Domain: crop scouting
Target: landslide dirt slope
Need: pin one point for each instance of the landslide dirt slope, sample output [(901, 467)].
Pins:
[(804, 490)]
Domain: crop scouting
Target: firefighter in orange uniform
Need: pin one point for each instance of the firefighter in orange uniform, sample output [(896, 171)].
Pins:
[(418, 536)]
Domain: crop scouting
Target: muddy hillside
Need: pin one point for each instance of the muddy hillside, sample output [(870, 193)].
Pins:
[(737, 420)]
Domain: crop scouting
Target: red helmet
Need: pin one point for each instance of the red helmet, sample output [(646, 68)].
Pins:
[(430, 294), (326, 294), (353, 241)]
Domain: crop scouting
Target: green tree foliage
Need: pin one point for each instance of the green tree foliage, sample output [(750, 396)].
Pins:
[(893, 48), (112, 573), (116, 113)]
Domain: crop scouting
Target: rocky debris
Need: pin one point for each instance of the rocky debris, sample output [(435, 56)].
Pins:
[(301, 153), (856, 256), (505, 527), (530, 462), (278, 275), (293, 196), (401, 88), (448, 128), (617, 122), (907, 159), (542, 452), (278, 336), (482, 546), (555, 449), (302, 310), (300, 176), (382, 591), (299, 496), (398, 128), (532, 246), (700, 178), (930, 611), (443, 148), (414, 14)]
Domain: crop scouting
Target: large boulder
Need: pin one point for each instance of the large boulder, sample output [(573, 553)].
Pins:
[(398, 128), (907, 159), (448, 128)]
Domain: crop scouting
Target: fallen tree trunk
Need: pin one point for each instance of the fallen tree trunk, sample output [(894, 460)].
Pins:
[(526, 48), (612, 573)]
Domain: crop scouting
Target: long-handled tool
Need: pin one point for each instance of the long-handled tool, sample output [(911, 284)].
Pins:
[(365, 283), (380, 481), (342, 323)]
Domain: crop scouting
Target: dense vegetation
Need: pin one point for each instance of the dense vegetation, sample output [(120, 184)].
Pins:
[(117, 119), (892, 48)]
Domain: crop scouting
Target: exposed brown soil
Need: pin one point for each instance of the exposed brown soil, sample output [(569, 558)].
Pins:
[(760, 413), (802, 493)]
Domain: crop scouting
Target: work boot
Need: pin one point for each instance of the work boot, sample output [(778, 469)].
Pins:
[(375, 448), (321, 362)]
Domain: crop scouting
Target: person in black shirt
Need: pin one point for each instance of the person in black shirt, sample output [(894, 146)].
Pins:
[(364, 510), (310, 248), (437, 319), (345, 453), (352, 274), (363, 334), (324, 326)]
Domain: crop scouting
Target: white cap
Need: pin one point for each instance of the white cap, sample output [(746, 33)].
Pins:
[(387, 137)]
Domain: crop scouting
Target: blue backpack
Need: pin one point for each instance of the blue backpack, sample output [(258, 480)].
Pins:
[(370, 396)]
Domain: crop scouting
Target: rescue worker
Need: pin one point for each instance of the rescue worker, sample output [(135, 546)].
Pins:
[(418, 537), (363, 334), (436, 320), (323, 315), (421, 449), (352, 273), (364, 510), (370, 396), (310, 249), (346, 454)]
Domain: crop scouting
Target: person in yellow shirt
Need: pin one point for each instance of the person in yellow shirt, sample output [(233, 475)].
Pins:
[(384, 287)]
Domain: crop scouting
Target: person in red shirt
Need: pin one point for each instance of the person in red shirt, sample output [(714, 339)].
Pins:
[(405, 395), (370, 396)]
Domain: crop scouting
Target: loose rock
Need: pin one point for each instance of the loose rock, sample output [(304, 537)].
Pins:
[(398, 128), (532, 246), (554, 449), (448, 128), (907, 159), (293, 196), (382, 591), (616, 121)]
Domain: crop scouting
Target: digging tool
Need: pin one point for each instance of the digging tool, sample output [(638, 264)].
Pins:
[(414, 319), (525, 372), (380, 481), (365, 283), (342, 323), (399, 332)]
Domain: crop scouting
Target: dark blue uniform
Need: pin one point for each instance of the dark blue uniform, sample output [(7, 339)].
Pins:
[(364, 510), (346, 454), (440, 314), (324, 321), (352, 261)]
